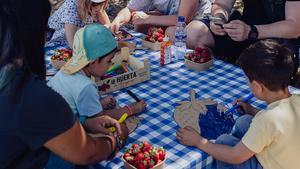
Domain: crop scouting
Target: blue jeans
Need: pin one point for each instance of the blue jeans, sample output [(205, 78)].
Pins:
[(240, 128)]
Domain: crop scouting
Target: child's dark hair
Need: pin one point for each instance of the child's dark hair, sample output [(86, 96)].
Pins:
[(114, 50), (269, 63)]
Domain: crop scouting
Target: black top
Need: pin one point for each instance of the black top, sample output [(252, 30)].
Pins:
[(28, 120), (258, 12)]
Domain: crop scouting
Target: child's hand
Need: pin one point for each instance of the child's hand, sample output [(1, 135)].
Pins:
[(114, 27), (138, 107), (100, 123), (190, 137), (139, 17), (108, 103), (245, 108)]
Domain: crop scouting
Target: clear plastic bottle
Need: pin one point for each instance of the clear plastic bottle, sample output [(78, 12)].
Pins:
[(180, 39)]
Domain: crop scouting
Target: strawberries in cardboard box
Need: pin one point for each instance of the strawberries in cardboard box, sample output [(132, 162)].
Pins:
[(155, 34), (201, 55), (62, 54), (144, 156)]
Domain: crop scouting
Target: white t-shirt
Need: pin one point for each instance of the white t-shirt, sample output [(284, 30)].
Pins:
[(274, 135), (167, 7)]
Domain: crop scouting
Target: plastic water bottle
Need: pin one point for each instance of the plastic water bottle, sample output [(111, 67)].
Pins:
[(180, 39)]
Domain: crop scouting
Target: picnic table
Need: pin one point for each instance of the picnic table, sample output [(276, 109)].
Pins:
[(169, 84)]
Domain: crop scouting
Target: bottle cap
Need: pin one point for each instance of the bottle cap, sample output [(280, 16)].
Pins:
[(181, 18), (166, 39)]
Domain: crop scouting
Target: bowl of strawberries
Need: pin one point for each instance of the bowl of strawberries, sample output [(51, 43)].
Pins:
[(199, 60), (154, 38), (144, 156), (60, 57)]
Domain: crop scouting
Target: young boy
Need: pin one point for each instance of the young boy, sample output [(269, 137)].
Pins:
[(94, 47), (273, 136)]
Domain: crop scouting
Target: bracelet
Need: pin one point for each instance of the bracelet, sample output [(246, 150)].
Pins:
[(129, 110)]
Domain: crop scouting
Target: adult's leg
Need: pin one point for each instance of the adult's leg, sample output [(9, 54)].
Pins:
[(198, 34)]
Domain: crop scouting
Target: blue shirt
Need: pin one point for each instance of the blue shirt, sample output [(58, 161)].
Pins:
[(30, 116), (167, 7), (79, 91)]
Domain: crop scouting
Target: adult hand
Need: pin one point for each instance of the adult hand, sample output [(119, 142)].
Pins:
[(237, 30), (190, 137), (100, 123), (217, 29), (245, 108), (139, 17), (114, 27)]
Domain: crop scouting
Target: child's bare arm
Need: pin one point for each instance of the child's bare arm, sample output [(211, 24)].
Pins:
[(132, 109), (246, 108), (234, 155)]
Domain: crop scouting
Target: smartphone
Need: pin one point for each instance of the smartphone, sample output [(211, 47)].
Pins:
[(217, 20)]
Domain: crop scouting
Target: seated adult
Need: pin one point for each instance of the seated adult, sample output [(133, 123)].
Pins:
[(261, 19), (35, 120), (75, 14), (163, 13)]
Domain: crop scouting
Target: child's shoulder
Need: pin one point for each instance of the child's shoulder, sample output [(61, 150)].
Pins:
[(78, 80)]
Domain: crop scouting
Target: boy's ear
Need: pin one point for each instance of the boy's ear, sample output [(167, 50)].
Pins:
[(259, 87)]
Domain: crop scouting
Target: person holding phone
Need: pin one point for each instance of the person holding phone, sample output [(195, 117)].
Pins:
[(261, 19)]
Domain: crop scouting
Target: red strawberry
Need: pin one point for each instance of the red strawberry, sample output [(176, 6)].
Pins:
[(146, 144), (205, 54), (126, 155), (157, 34), (161, 154), (160, 39), (135, 146), (150, 163), (198, 49), (141, 166), (160, 30), (156, 158), (197, 60), (138, 157), (151, 29)]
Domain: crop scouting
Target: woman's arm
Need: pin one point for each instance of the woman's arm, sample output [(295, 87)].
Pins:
[(70, 31), (288, 28), (77, 147), (101, 13)]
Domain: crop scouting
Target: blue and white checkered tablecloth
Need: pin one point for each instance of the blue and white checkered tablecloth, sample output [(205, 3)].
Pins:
[(168, 85)]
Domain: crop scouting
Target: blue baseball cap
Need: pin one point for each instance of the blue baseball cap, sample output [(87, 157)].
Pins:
[(91, 42)]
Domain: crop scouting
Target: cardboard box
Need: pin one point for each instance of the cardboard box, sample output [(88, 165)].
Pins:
[(140, 73), (152, 45)]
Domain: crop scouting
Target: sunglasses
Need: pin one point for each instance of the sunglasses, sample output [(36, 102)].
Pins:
[(96, 3)]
